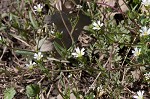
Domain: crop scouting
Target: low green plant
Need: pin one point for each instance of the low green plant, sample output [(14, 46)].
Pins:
[(110, 59)]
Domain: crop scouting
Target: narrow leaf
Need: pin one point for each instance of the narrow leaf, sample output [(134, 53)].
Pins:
[(32, 19), (59, 49)]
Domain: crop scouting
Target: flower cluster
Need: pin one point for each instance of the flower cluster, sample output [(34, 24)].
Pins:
[(79, 53), (97, 25), (147, 76), (78, 6), (146, 2), (38, 56), (100, 90), (136, 52), (139, 95), (38, 8), (144, 31), (30, 65)]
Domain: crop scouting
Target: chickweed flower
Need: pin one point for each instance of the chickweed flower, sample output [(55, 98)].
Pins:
[(38, 56), (78, 53), (52, 32), (30, 65), (78, 6), (97, 25), (147, 76), (136, 51), (139, 95), (144, 31), (38, 8), (100, 90), (146, 2)]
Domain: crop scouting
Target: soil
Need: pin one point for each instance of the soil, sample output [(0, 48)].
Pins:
[(5, 6)]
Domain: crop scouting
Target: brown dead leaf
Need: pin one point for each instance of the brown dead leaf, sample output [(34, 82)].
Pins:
[(136, 74), (59, 97), (112, 3), (123, 6), (72, 96), (44, 45), (47, 46)]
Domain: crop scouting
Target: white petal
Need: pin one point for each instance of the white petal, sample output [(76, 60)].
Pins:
[(141, 31), (136, 49), (33, 63), (139, 50), (136, 97), (39, 53), (35, 55), (30, 62), (133, 51), (94, 24), (99, 23), (83, 53), (140, 94), (144, 28), (82, 49), (77, 50), (95, 28), (148, 31), (27, 65), (39, 6), (74, 54), (35, 7)]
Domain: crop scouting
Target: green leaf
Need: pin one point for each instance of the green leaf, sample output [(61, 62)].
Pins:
[(59, 49), (24, 52), (32, 19), (32, 90), (9, 93)]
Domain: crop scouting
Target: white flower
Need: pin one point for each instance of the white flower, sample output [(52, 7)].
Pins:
[(38, 8), (1, 39), (146, 2), (139, 95), (78, 6), (52, 32), (147, 76), (136, 51), (78, 53), (100, 90), (38, 55), (69, 76), (31, 64), (97, 25), (144, 31)]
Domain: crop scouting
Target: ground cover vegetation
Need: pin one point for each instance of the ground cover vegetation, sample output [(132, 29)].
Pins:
[(75, 49)]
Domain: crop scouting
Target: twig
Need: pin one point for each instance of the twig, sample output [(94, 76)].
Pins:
[(66, 27), (120, 11), (93, 82)]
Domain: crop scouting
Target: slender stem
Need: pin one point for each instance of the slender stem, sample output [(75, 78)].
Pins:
[(120, 11), (67, 27)]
